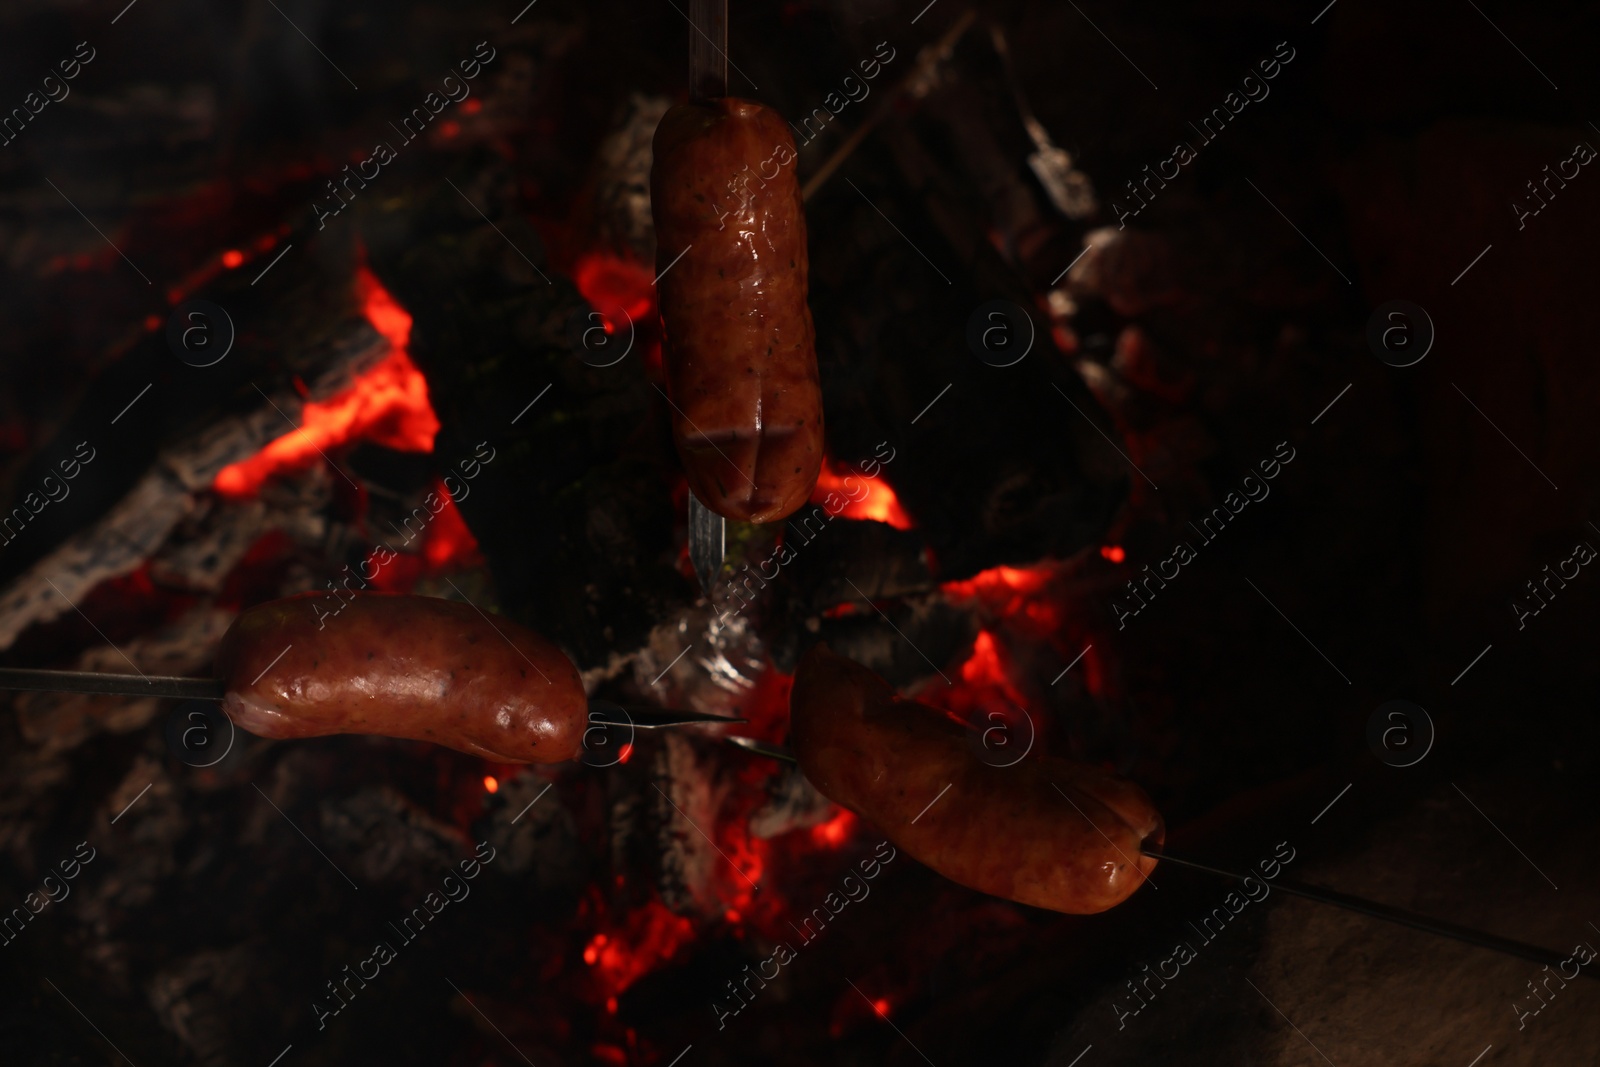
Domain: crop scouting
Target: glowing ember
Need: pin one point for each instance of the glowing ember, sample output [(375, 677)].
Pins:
[(1019, 596), (1023, 612), (623, 292), (448, 541), (447, 544), (611, 283), (491, 785), (879, 503), (388, 405), (836, 830), (625, 753), (1114, 553), (1001, 582), (383, 311), (986, 668), (649, 937), (882, 1007), (232, 258)]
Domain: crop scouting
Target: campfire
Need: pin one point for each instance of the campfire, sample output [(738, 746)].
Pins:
[(318, 355)]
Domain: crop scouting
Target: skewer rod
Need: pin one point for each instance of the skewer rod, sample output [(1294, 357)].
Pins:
[(212, 689), (129, 685), (1398, 916), (160, 685), (708, 49)]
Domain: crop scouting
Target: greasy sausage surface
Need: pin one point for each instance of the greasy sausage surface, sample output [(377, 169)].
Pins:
[(402, 666), (1007, 831), (739, 348)]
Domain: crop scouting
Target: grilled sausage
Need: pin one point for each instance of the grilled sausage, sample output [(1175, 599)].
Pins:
[(1045, 832), (739, 348), (402, 666)]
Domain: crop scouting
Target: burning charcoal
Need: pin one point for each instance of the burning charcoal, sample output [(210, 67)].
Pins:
[(793, 803), (197, 998), (133, 531), (689, 796), (622, 179), (696, 661), (573, 506), (847, 559), (1133, 270), (427, 339), (63, 720), (140, 524), (925, 626), (209, 544), (536, 835), (381, 833)]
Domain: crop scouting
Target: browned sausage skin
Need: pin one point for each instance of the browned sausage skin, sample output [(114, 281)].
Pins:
[(402, 666), (739, 348), (1045, 832)]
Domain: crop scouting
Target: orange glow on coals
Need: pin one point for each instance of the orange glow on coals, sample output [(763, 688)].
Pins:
[(1001, 581), (836, 831), (1013, 594), (491, 784), (611, 283), (623, 291), (986, 668), (649, 937), (1018, 595), (384, 312), (448, 541), (447, 544), (865, 498), (388, 405)]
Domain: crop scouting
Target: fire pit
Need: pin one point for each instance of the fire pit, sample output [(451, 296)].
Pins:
[(316, 299)]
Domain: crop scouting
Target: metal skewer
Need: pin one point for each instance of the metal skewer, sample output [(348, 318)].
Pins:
[(708, 537), (1347, 901), (605, 712), (708, 49), (127, 685), (157, 685), (650, 718), (1362, 906), (708, 80), (763, 748)]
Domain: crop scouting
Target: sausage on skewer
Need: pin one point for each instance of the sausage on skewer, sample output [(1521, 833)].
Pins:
[(402, 666), (739, 347), (1046, 832)]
